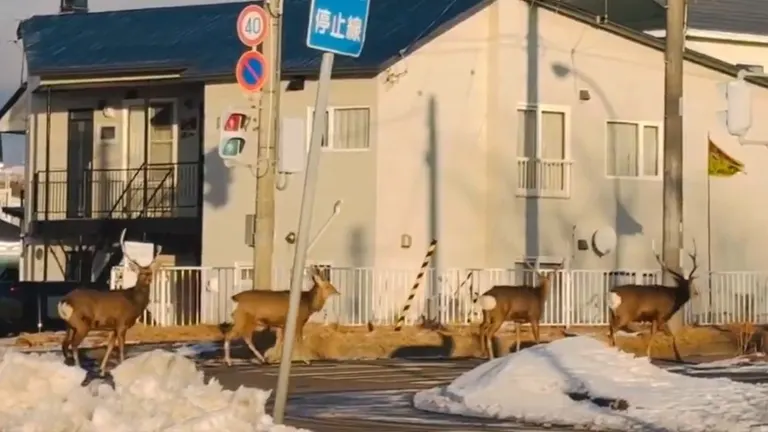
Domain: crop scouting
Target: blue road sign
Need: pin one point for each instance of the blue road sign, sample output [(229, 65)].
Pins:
[(338, 26), (251, 71)]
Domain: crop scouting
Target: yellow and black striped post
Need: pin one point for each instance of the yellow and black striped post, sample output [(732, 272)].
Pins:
[(416, 284), (457, 292)]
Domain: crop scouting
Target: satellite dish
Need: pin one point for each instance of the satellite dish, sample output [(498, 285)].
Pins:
[(604, 240)]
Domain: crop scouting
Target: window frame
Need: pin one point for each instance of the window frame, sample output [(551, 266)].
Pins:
[(330, 133), (541, 108), (641, 125)]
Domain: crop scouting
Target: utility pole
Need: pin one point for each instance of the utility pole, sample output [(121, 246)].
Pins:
[(672, 224), (269, 128)]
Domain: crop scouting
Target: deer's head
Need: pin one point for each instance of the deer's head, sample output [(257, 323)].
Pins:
[(321, 285), (143, 273), (681, 280)]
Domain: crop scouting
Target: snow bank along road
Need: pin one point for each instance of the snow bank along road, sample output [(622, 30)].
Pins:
[(356, 396)]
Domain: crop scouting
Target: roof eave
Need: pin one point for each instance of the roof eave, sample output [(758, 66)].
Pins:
[(112, 70)]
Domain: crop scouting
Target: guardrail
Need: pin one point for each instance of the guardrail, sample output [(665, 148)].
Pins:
[(201, 295)]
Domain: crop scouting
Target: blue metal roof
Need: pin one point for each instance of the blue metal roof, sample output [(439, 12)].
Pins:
[(202, 39)]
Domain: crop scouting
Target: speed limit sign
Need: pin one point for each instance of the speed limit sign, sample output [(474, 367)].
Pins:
[(252, 25)]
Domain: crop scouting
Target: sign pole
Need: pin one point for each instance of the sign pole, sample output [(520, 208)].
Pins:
[(264, 192), (302, 242), (334, 27)]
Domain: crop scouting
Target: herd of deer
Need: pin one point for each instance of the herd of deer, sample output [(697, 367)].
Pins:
[(85, 309)]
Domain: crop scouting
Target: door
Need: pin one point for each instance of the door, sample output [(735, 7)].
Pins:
[(79, 160), (157, 150)]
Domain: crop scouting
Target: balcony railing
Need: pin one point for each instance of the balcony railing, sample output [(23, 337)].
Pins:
[(546, 178), (150, 191)]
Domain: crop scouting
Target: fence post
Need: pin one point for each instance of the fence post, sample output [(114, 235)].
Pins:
[(567, 294)]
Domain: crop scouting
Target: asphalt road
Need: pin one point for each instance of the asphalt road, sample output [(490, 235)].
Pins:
[(332, 396)]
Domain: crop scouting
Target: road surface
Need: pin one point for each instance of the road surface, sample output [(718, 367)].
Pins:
[(375, 395)]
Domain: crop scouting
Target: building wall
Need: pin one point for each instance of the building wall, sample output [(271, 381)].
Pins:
[(106, 184), (349, 176), (478, 74)]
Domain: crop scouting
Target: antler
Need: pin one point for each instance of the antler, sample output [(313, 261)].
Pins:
[(692, 255), (530, 267), (693, 260), (125, 252), (661, 263), (129, 258)]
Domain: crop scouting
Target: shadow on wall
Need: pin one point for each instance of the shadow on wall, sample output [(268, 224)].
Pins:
[(218, 177), (358, 246), (625, 224)]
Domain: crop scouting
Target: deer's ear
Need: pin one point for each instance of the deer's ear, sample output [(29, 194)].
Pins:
[(155, 265), (317, 279)]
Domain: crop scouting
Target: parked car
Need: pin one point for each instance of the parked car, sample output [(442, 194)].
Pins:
[(31, 306)]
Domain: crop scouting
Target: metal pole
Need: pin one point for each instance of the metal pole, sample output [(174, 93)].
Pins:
[(672, 224), (269, 121), (302, 242)]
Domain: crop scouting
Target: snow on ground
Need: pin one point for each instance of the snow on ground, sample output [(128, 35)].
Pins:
[(155, 391), (533, 386)]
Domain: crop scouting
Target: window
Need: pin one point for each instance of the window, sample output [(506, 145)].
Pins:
[(347, 128), (543, 151), (161, 121), (633, 149)]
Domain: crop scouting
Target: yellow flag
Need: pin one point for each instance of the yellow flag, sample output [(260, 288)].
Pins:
[(720, 164)]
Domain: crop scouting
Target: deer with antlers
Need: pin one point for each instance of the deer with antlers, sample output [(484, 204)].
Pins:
[(518, 303), (85, 309), (655, 303)]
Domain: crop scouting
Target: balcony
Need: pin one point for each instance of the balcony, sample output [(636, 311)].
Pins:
[(150, 191), (543, 178)]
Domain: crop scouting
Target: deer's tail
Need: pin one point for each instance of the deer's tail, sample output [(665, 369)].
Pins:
[(65, 309)]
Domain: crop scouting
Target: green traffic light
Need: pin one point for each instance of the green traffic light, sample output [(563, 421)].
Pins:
[(233, 147)]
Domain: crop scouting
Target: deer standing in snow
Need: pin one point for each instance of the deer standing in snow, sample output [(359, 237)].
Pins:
[(654, 303), (85, 309)]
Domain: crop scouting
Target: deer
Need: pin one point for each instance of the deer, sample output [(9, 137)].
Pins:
[(518, 303), (654, 303), (84, 309), (260, 309)]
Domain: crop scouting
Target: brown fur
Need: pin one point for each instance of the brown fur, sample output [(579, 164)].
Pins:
[(517, 303), (115, 310), (650, 303), (257, 309)]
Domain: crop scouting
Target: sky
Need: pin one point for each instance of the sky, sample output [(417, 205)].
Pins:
[(13, 11)]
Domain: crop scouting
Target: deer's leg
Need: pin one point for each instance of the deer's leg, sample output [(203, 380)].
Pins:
[(238, 320), (65, 343), (535, 330), (300, 343), (121, 342), (74, 343), (517, 336), (483, 330), (611, 330), (494, 327), (110, 347), (654, 328), (247, 336)]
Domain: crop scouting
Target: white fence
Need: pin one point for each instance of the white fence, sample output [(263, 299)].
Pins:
[(195, 295)]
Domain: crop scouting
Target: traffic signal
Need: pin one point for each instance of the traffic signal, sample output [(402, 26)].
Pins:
[(232, 135)]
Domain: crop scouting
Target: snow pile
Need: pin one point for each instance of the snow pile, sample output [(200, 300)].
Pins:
[(534, 385), (155, 391)]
